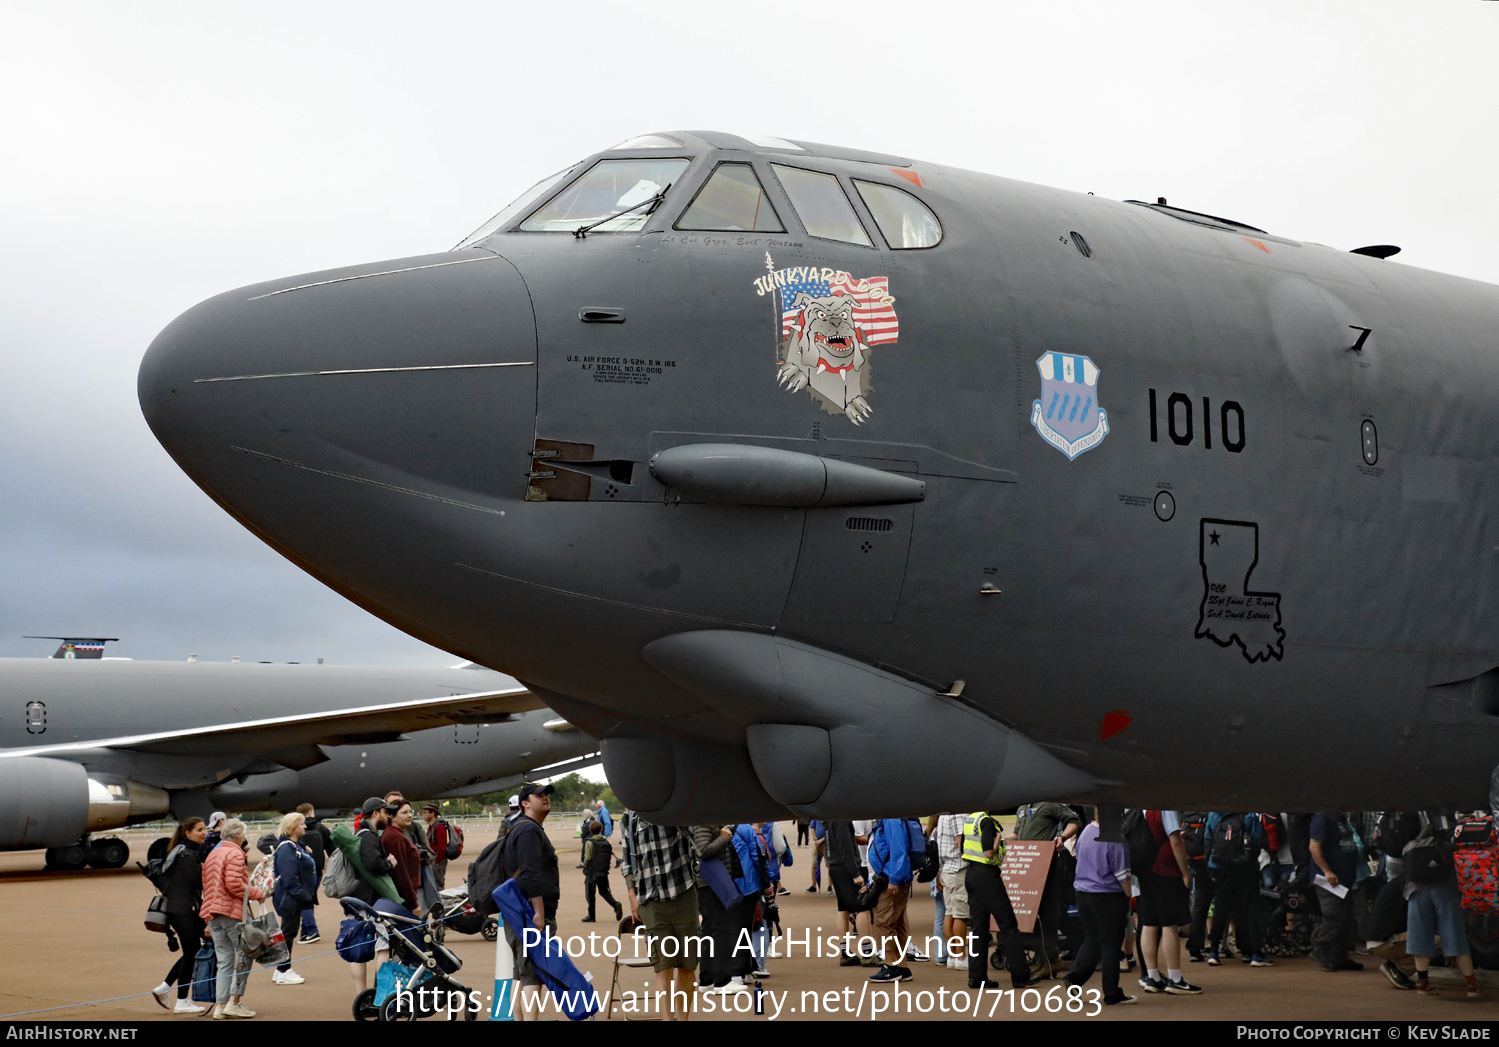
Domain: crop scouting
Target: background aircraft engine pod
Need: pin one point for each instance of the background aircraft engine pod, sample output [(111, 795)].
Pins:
[(679, 781), (114, 801), (831, 737), (46, 803), (52, 803)]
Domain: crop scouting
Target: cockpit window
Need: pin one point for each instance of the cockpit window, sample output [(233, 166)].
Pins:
[(515, 210), (606, 188), (770, 142), (648, 142), (732, 200), (822, 205), (906, 222)]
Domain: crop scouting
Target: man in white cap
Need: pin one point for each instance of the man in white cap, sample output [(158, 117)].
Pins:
[(508, 822)]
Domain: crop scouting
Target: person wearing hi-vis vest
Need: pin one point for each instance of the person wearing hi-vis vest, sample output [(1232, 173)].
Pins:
[(983, 853)]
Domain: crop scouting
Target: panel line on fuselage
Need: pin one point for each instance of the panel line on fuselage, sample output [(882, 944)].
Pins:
[(366, 276), (363, 370), (617, 603), (366, 480)]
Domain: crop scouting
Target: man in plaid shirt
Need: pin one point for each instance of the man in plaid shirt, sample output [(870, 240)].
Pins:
[(953, 882), (660, 863)]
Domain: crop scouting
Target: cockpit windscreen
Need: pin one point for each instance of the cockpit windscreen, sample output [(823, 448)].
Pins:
[(515, 210), (607, 188)]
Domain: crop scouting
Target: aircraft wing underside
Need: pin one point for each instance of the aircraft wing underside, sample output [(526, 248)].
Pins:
[(294, 740)]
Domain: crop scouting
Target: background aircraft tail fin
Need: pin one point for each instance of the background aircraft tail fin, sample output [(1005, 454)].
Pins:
[(77, 646)]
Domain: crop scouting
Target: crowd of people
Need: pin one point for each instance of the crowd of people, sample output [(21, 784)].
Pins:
[(204, 879), (1328, 884), (1161, 889)]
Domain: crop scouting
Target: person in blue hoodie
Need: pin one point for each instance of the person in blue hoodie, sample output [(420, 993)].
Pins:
[(296, 888), (890, 860), (754, 883)]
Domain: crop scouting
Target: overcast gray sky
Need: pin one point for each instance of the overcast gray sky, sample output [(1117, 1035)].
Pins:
[(153, 154)]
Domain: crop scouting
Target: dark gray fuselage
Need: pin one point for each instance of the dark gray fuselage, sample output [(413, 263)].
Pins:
[(1118, 639)]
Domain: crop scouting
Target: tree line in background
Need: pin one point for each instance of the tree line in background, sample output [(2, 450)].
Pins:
[(570, 793)]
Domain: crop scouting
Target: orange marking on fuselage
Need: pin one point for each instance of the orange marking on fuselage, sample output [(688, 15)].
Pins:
[(1256, 243), (910, 176)]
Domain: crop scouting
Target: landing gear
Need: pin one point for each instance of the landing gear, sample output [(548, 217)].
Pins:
[(70, 858), (111, 852), (106, 852)]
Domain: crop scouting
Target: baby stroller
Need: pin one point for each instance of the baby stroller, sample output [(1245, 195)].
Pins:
[(1291, 914), (417, 981), (457, 912)]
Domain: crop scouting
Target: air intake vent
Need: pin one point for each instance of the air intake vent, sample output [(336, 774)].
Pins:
[(868, 523)]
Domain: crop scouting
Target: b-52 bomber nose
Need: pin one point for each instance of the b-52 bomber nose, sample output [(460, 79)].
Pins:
[(337, 413), (781, 469)]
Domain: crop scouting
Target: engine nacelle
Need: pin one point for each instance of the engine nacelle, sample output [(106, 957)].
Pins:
[(53, 803), (679, 781), (830, 737)]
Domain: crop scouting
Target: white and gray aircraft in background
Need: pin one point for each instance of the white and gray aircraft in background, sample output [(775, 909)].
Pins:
[(89, 743)]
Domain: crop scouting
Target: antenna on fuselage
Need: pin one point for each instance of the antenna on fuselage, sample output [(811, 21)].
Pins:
[(779, 327)]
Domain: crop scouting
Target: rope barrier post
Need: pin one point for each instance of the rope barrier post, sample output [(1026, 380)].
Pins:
[(504, 978)]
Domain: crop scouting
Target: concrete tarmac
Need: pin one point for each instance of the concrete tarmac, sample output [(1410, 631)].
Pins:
[(77, 951)]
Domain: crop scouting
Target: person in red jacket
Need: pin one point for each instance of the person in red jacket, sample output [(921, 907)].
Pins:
[(408, 871), (226, 893), (437, 835)]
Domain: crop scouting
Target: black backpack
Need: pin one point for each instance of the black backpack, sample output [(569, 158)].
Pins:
[(1298, 835), (1424, 862), (1194, 825), (1141, 842), (485, 874), (601, 856), (156, 867), (1231, 841), (931, 865), (1396, 829), (316, 843)]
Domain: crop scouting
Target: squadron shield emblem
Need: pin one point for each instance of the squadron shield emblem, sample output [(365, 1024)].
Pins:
[(1068, 416), (829, 323)]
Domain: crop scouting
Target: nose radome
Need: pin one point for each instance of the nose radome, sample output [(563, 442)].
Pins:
[(413, 379)]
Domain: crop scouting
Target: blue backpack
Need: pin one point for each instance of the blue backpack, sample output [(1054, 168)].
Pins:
[(915, 844), (205, 975)]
